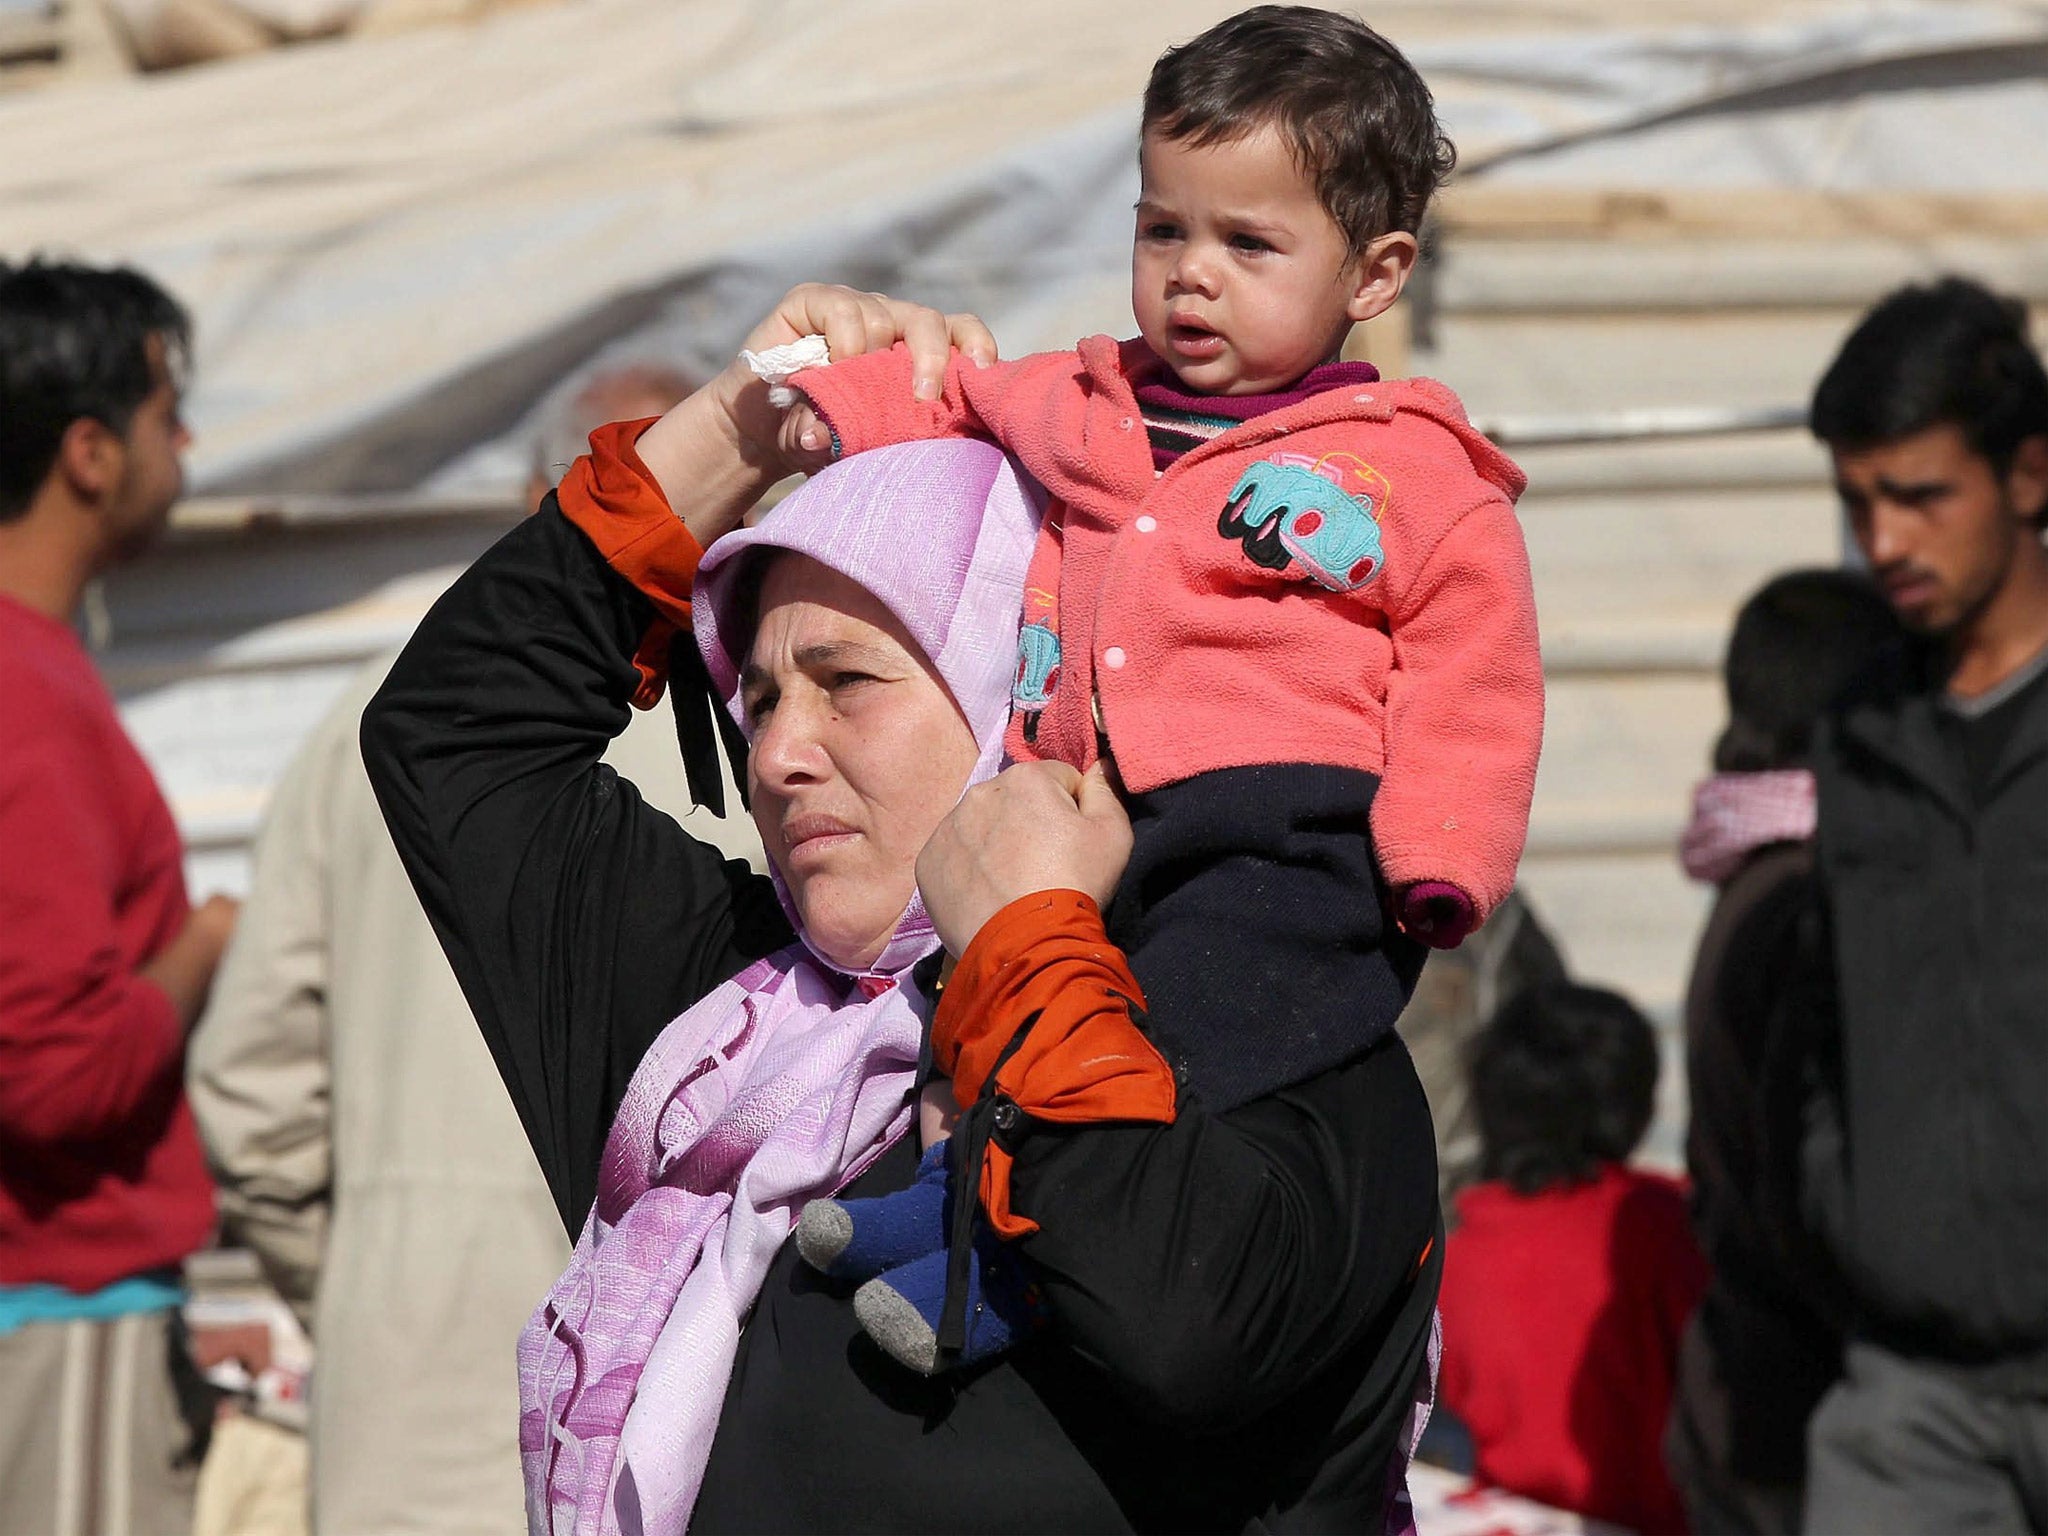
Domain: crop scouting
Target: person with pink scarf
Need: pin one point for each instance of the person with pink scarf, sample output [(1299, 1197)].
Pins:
[(1765, 1342), (1238, 1322)]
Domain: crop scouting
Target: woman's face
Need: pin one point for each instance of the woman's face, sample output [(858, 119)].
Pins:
[(858, 754)]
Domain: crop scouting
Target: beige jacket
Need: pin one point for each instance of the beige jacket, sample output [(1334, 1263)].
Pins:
[(368, 1152)]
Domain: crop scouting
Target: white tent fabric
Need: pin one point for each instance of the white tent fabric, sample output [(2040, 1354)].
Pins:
[(1518, 96), (397, 246)]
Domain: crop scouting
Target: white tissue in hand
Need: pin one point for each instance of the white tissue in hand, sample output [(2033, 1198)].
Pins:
[(776, 364)]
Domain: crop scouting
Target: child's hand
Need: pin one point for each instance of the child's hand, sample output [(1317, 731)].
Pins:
[(804, 439), (1436, 912)]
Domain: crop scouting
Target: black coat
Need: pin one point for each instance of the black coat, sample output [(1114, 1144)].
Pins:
[(1938, 903), (1770, 1316), (1239, 1315)]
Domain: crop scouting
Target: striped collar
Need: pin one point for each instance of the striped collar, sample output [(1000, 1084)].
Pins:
[(1177, 421)]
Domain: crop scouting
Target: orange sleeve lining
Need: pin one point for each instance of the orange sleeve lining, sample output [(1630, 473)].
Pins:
[(1043, 974), (613, 498)]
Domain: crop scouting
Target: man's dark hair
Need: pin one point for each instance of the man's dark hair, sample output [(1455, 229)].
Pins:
[(1945, 353), (1563, 1081), (1797, 643), (1361, 122), (74, 343)]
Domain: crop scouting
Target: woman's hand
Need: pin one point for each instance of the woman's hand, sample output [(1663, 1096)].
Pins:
[(717, 452), (853, 323), (1035, 827)]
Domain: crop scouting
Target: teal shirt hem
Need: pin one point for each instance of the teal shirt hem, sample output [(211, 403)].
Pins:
[(21, 1305)]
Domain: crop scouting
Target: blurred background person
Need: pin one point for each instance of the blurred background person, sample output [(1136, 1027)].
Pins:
[(103, 965), (625, 392), (1458, 994), (1933, 860), (1571, 1275), (364, 1147), (1766, 1341)]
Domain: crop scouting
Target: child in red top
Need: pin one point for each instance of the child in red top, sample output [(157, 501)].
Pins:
[(1571, 1276), (1289, 599)]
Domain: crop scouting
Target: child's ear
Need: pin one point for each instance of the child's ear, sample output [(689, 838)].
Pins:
[(1379, 273)]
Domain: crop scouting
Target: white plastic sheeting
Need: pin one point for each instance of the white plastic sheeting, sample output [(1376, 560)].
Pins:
[(397, 246), (1514, 97)]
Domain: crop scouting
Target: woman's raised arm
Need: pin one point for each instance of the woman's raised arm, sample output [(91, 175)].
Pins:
[(579, 919), (716, 453)]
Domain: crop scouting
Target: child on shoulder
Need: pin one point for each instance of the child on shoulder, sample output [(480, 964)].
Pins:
[(1288, 599)]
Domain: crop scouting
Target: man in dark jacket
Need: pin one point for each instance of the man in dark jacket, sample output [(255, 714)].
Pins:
[(1933, 861)]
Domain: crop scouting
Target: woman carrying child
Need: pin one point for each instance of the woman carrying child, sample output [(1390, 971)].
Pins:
[(1239, 1302), (1218, 1185)]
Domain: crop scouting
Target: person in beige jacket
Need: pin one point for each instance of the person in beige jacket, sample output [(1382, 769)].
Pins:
[(364, 1146), (1458, 994), (367, 1152)]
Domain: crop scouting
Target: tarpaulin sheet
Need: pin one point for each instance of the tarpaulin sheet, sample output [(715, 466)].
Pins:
[(397, 246)]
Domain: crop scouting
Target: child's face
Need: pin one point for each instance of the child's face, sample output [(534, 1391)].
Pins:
[(1240, 281)]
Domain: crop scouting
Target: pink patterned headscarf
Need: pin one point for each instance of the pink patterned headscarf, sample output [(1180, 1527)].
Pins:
[(1734, 814), (787, 1081)]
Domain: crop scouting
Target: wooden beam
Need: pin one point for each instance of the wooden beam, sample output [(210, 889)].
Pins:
[(1506, 212)]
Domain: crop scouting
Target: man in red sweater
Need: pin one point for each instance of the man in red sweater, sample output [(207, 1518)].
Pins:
[(103, 966)]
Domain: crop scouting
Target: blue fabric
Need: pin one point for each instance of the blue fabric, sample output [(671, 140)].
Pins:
[(893, 1229), (900, 1241), (1253, 913), (21, 1305), (1001, 1306)]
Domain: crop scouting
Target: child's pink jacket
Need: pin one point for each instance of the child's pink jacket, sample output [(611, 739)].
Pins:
[(1342, 581)]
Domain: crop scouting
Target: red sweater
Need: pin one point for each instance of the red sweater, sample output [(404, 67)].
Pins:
[(1562, 1313), (1341, 581), (101, 1172)]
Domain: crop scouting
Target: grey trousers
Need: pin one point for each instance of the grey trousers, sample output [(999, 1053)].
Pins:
[(1898, 1447), (95, 1438)]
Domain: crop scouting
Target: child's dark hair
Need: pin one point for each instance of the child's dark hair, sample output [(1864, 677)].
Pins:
[(1563, 1080), (1951, 352), (1798, 642), (1360, 120)]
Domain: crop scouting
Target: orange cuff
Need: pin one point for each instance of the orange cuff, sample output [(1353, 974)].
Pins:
[(612, 497), (1043, 974)]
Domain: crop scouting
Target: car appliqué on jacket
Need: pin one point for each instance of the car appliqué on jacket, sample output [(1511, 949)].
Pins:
[(1038, 668), (1319, 514)]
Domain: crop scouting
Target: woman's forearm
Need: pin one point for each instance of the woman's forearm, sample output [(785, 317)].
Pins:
[(716, 453), (1211, 1265), (711, 471)]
